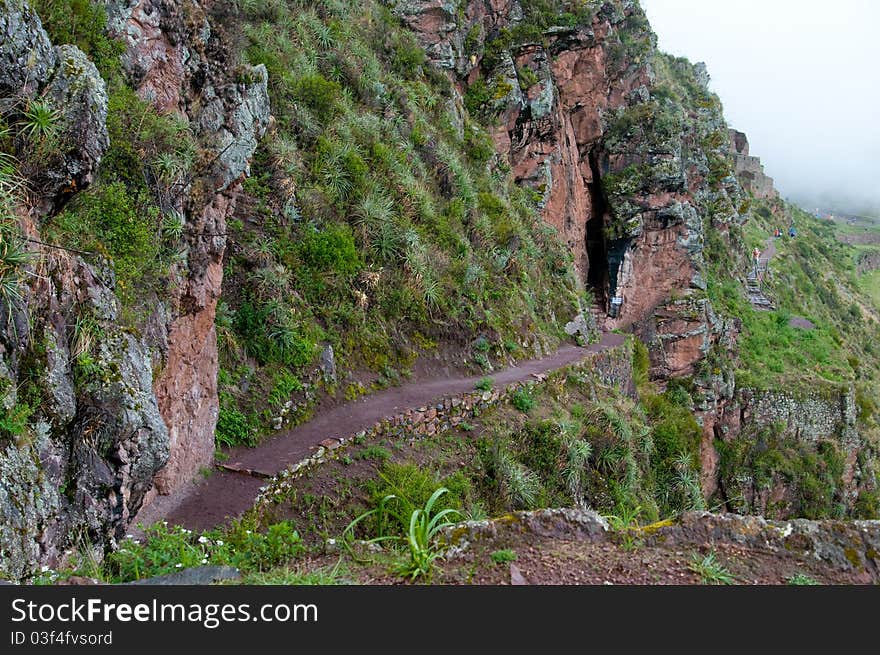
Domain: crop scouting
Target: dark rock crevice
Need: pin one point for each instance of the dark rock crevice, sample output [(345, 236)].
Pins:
[(598, 279)]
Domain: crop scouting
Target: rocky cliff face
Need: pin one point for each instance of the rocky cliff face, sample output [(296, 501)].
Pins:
[(626, 153), (630, 159), (582, 117), (620, 162), (82, 455), (178, 62)]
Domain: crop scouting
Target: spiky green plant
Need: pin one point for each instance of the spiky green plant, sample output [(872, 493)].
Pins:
[(168, 167), (519, 485), (40, 121), (710, 570), (383, 514), (13, 256), (609, 416), (802, 579), (424, 526), (577, 459), (172, 226)]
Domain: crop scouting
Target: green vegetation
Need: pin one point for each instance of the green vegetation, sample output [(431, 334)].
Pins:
[(811, 277), (121, 216), (291, 577), (710, 570), (402, 488), (812, 472), (13, 422), (870, 284), (13, 253), (376, 452), (801, 579), (40, 123), (370, 221), (81, 23), (425, 525), (169, 549), (523, 400), (421, 527), (503, 556), (484, 384)]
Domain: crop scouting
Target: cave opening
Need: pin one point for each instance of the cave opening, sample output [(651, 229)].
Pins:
[(597, 240)]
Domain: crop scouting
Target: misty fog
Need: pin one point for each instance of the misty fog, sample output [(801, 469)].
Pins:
[(801, 78)]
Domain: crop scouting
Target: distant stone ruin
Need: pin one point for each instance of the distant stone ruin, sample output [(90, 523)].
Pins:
[(749, 170)]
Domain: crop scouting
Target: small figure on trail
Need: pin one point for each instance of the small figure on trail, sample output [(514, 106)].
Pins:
[(756, 255), (791, 231), (777, 233)]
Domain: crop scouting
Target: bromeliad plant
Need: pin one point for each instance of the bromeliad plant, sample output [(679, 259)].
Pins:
[(40, 120), (424, 526), (421, 536)]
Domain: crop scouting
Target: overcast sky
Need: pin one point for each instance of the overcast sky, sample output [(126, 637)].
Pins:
[(800, 77)]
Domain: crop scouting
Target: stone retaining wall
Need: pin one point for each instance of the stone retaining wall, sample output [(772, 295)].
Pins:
[(809, 418)]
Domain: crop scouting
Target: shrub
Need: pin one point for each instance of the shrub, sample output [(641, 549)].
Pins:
[(275, 337), (503, 556), (523, 400), (233, 428), (374, 452), (319, 94), (477, 98), (411, 488), (124, 224), (82, 23), (331, 249), (641, 364), (13, 422), (484, 384), (478, 145), (527, 77)]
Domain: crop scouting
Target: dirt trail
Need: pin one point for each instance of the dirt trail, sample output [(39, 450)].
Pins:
[(207, 503)]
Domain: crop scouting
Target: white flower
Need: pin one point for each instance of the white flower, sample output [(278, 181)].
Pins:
[(204, 561), (178, 565), (203, 539), (248, 532), (45, 568), (219, 543)]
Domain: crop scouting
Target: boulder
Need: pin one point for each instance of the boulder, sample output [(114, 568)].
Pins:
[(69, 83), (26, 54)]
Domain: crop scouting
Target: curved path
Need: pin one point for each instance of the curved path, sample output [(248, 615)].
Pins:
[(207, 503)]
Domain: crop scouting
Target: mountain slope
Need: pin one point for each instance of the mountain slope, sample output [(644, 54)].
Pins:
[(219, 219)]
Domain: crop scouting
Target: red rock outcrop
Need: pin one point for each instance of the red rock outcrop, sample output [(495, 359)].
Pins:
[(575, 116), (177, 59)]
